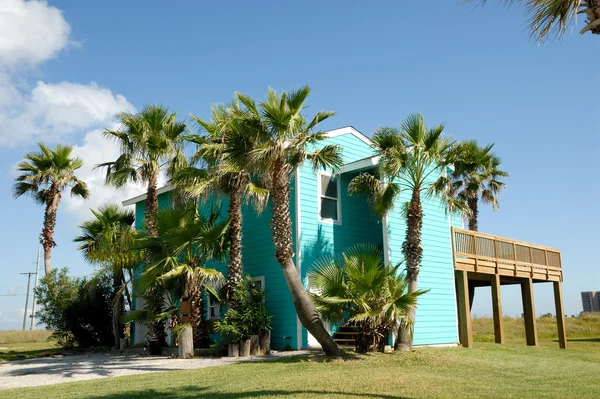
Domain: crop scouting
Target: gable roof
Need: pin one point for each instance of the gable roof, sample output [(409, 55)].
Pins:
[(331, 133)]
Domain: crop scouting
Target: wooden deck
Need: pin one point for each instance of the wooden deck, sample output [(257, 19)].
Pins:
[(487, 254), (483, 260)]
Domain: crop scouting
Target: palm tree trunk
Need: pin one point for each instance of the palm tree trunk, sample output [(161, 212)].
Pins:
[(413, 253), (281, 227), (152, 205), (472, 203), (200, 331), (235, 237), (47, 237)]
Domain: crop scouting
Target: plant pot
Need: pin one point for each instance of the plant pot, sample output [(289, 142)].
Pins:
[(265, 342), (123, 343), (154, 348), (245, 346), (233, 350), (254, 345)]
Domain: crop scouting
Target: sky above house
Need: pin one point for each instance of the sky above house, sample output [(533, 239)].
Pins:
[(67, 67)]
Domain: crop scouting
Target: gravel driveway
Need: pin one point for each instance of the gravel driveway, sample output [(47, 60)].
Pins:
[(48, 371)]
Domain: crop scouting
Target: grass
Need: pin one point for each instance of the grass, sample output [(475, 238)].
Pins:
[(488, 370), (28, 344)]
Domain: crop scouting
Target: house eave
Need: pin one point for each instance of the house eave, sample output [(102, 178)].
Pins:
[(142, 197)]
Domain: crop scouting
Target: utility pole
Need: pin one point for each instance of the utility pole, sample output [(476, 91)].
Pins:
[(26, 299), (37, 274)]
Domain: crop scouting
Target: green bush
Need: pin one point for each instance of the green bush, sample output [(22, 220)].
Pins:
[(247, 314), (79, 310)]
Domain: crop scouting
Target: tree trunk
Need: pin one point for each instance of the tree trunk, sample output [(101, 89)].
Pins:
[(201, 336), (235, 237), (472, 202), (117, 309), (186, 344), (152, 205), (281, 226), (413, 253), (47, 238)]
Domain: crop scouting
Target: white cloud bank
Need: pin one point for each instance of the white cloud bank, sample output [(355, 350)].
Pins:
[(32, 32)]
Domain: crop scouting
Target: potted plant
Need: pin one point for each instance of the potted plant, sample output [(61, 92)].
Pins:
[(230, 335)]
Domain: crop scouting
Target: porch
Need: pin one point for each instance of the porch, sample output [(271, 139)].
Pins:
[(483, 260)]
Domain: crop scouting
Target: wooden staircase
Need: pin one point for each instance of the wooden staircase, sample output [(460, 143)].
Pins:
[(346, 336)]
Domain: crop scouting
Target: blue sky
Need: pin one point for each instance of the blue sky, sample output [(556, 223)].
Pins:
[(69, 66)]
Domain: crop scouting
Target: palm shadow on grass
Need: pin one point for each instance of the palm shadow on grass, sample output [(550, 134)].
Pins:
[(205, 392), (580, 340)]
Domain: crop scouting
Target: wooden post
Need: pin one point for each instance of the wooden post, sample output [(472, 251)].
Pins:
[(560, 315), (497, 307), (464, 310), (529, 312)]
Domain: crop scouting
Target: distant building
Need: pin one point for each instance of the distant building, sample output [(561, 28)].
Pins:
[(590, 300)]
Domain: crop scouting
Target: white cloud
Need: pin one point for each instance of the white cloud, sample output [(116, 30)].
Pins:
[(31, 31), (94, 150)]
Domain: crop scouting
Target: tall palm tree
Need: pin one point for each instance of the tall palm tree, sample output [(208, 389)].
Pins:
[(551, 18), (107, 240), (358, 284), (212, 172), (476, 176), (284, 140), (150, 141), (185, 242), (45, 175), (410, 156)]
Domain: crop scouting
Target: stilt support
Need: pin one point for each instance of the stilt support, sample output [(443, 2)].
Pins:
[(464, 309), (560, 315), (497, 307), (529, 312)]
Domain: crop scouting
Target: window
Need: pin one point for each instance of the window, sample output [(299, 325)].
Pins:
[(214, 308), (260, 281), (329, 198)]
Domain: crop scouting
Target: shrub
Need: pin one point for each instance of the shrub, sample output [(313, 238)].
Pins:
[(79, 310)]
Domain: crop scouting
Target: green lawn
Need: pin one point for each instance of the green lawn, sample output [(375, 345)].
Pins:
[(486, 371), (18, 344)]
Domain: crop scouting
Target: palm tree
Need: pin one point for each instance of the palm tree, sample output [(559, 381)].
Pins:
[(553, 17), (212, 172), (358, 284), (476, 176), (150, 141), (45, 175), (284, 140), (409, 156), (107, 240), (185, 242)]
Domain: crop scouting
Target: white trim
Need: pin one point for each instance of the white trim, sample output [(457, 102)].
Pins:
[(349, 130), (385, 232), (262, 281), (360, 164), (208, 302), (142, 197), (436, 346), (452, 265), (298, 252), (338, 200)]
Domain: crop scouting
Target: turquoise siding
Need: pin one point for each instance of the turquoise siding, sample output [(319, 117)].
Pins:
[(435, 321), (358, 225)]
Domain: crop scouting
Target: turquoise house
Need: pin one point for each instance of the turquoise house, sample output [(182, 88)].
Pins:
[(327, 220)]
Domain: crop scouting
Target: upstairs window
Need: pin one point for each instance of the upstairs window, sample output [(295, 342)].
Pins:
[(329, 198)]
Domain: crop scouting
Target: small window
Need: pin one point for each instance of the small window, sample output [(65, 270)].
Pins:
[(329, 198), (214, 309)]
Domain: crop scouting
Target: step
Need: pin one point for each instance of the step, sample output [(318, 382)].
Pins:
[(348, 332)]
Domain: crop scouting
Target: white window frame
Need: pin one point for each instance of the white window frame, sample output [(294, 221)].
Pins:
[(320, 196), (209, 305), (262, 281)]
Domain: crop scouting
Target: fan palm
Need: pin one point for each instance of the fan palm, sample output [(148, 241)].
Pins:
[(409, 156), (283, 141), (107, 240), (359, 288), (211, 171), (150, 141), (553, 17), (476, 176), (185, 242), (45, 174)]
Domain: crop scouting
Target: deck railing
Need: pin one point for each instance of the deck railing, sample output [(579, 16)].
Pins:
[(484, 253)]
